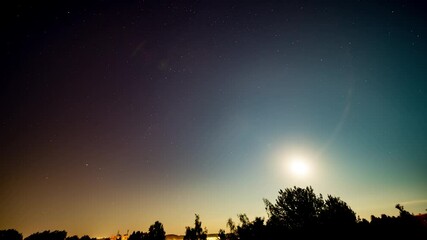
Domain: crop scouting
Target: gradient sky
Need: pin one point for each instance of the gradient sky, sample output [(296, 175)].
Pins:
[(115, 115)]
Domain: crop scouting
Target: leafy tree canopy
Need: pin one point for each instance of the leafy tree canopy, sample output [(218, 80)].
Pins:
[(300, 208), (196, 233), (156, 232)]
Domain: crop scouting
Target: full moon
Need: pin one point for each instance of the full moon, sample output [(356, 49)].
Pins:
[(299, 167), (296, 163)]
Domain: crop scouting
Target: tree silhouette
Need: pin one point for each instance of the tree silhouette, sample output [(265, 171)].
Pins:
[(137, 236), (232, 235), (75, 237), (85, 237), (248, 230), (156, 232), (233, 230), (48, 235), (196, 233), (10, 234), (222, 235), (405, 225), (407, 222), (336, 212), (299, 212), (295, 208)]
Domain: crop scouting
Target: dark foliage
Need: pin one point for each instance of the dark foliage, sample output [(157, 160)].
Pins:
[(295, 209), (251, 230), (196, 233), (298, 213), (75, 237), (222, 235), (406, 224), (156, 232), (10, 234), (86, 237), (48, 235), (138, 236)]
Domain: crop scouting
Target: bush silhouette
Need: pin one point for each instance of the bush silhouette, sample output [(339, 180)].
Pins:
[(10, 234)]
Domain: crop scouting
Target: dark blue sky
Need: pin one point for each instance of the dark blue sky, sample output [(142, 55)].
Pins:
[(115, 115)]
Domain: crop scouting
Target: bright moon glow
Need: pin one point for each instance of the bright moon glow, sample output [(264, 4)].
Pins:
[(299, 167)]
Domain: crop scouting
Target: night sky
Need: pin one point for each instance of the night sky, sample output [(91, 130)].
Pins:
[(115, 114)]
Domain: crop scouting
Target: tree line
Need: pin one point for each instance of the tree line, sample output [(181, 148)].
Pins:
[(297, 213)]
